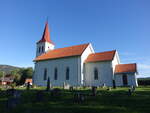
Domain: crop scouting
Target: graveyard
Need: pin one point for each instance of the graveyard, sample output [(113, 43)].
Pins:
[(75, 100)]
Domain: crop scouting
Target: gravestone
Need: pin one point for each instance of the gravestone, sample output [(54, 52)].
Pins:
[(17, 94), (104, 85), (48, 84), (114, 84), (14, 99), (109, 89), (12, 102), (94, 90), (66, 86), (39, 96), (132, 88), (10, 92), (129, 92), (56, 92), (71, 88), (79, 98)]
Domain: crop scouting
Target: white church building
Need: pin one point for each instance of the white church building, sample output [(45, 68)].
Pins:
[(79, 65)]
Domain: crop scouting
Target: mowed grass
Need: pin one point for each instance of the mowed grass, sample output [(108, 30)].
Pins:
[(114, 101)]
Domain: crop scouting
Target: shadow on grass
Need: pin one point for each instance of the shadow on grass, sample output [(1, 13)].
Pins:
[(115, 101)]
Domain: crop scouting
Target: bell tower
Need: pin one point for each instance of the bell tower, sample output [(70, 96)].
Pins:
[(45, 44)]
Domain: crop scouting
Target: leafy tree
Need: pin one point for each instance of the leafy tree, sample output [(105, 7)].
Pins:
[(26, 73), (21, 74), (1, 74), (16, 75)]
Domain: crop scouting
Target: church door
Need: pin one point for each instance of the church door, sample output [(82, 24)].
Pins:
[(125, 79)]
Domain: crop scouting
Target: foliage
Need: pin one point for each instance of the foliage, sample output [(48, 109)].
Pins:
[(21, 74), (1, 74), (16, 75), (26, 73), (144, 82)]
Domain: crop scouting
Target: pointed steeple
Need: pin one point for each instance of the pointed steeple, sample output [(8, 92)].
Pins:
[(46, 35), (45, 44)]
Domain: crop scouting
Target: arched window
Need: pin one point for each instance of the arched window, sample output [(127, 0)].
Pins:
[(45, 74), (95, 74), (39, 49), (55, 74), (42, 49), (67, 73)]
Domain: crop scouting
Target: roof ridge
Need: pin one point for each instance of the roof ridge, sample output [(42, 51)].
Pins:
[(71, 46), (75, 50), (127, 64), (105, 51)]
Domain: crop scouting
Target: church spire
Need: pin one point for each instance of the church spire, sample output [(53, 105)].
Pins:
[(45, 44), (46, 35)]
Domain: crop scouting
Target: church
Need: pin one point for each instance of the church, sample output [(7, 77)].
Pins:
[(79, 65)]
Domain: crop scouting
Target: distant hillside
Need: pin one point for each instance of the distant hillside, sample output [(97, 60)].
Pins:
[(7, 68)]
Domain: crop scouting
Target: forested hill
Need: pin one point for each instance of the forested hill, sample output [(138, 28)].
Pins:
[(7, 68)]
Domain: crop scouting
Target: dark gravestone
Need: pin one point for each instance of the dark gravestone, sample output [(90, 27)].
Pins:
[(79, 98), (129, 92), (71, 88), (109, 88), (17, 94), (94, 90), (39, 96), (114, 84), (56, 92), (10, 92), (12, 102), (48, 84)]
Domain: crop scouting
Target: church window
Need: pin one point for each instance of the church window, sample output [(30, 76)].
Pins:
[(42, 49), (39, 49), (95, 74), (67, 73), (55, 74), (45, 74)]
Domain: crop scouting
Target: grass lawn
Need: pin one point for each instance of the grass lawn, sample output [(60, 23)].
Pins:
[(114, 101)]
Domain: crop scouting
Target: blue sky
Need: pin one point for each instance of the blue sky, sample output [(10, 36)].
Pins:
[(123, 25)]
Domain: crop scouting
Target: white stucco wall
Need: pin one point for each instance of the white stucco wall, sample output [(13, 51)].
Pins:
[(131, 79), (104, 73), (84, 56), (61, 64), (115, 61)]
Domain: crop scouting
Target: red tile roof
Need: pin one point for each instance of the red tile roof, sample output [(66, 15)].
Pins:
[(103, 56), (46, 35), (63, 52), (28, 80), (125, 68)]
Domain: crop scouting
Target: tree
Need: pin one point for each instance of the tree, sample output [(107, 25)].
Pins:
[(1, 74), (26, 73), (16, 75)]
